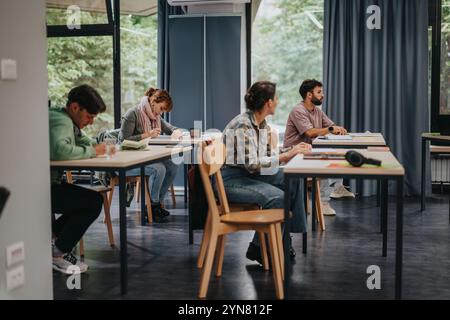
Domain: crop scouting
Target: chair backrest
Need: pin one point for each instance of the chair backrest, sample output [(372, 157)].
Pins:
[(212, 159)]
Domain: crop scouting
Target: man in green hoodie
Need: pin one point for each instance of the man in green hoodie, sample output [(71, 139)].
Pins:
[(78, 207)]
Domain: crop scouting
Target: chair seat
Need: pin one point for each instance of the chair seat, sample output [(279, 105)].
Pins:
[(254, 217)]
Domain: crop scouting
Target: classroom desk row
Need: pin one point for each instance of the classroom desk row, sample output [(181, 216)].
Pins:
[(159, 151)]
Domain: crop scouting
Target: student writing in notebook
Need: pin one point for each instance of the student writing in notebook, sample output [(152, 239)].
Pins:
[(76, 206), (145, 121), (305, 123)]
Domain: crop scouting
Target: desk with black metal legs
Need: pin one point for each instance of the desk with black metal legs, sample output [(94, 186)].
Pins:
[(428, 137), (357, 141), (122, 162), (390, 169)]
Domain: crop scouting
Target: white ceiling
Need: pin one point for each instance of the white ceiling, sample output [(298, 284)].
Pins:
[(135, 7)]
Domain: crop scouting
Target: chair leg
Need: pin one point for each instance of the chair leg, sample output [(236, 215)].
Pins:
[(81, 248), (107, 219), (219, 254), (206, 272), (205, 241), (263, 246), (138, 188), (148, 203), (112, 185), (280, 247), (319, 211), (172, 190), (276, 266)]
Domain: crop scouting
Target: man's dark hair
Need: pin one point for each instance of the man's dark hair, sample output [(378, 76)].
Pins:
[(308, 86), (88, 98)]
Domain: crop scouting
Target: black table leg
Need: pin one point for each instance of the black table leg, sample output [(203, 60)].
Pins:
[(378, 193), (305, 198), (305, 242), (449, 206), (185, 183), (313, 204), (422, 181), (399, 240), (142, 191), (286, 235), (384, 214), (123, 234)]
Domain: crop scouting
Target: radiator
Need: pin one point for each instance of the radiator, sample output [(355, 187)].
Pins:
[(440, 168)]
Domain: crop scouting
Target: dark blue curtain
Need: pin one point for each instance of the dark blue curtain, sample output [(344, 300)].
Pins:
[(377, 80)]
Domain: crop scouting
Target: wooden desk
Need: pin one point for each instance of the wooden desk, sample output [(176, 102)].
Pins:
[(428, 137), (391, 169), (357, 142), (121, 162)]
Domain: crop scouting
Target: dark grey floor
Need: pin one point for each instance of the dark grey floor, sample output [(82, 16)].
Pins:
[(162, 265)]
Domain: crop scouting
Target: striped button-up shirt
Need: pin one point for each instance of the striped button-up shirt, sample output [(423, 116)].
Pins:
[(249, 145)]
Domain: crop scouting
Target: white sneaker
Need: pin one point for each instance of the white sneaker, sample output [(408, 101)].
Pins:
[(341, 192), (327, 210), (69, 264)]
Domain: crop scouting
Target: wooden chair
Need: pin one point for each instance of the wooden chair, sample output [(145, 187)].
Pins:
[(206, 234), (318, 201), (223, 222), (106, 209), (115, 182)]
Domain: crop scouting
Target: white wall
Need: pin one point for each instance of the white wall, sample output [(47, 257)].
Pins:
[(24, 148)]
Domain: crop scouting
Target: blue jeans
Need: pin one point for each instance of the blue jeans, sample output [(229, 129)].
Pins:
[(160, 177), (267, 191)]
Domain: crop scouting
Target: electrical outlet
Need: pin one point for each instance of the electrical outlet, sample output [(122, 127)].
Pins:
[(9, 69), (15, 278), (15, 253)]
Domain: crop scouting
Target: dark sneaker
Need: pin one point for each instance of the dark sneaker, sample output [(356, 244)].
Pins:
[(158, 216), (254, 253), (164, 212)]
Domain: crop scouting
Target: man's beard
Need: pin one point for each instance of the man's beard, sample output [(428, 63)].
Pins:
[(316, 101)]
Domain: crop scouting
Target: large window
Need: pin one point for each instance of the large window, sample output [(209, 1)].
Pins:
[(287, 44), (82, 60), (139, 53), (89, 60), (444, 103)]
